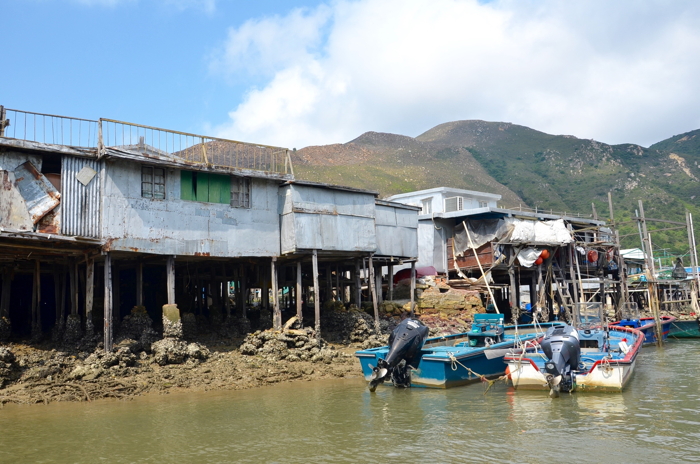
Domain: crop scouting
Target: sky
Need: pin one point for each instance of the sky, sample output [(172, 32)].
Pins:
[(295, 73)]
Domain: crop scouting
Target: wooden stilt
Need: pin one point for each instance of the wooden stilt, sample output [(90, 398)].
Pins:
[(317, 302), (358, 284), (391, 282), (413, 288), (298, 295), (373, 290), (139, 283), (276, 312), (89, 292), (338, 294), (244, 292), (171, 279), (511, 275), (378, 283), (108, 304)]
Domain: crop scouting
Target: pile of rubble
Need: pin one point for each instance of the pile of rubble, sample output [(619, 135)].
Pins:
[(8, 366)]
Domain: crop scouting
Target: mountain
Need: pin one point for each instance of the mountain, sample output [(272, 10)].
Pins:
[(526, 166)]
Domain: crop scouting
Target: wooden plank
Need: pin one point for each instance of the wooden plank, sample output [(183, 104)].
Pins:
[(469, 260)]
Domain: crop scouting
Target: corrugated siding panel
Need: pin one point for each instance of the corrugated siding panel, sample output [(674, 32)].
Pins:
[(80, 204)]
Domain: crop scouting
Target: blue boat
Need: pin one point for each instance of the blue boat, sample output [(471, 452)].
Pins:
[(455, 360), (646, 325)]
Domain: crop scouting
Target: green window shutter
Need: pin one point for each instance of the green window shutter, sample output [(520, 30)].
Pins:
[(186, 186), (219, 188), (202, 186)]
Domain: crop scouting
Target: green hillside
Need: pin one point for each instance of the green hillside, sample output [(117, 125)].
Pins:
[(525, 166)]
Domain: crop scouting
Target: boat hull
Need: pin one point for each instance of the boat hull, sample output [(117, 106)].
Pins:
[(685, 329), (647, 326), (602, 371), (444, 365)]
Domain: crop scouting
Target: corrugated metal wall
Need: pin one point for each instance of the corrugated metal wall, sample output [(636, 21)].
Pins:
[(80, 204)]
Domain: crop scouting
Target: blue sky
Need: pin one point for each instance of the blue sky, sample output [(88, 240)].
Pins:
[(299, 73)]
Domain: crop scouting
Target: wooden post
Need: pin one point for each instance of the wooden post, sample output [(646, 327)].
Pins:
[(170, 264), (276, 312), (317, 303), (513, 292), (373, 289), (73, 271), (338, 294), (378, 284), (693, 250), (89, 292), (108, 304), (358, 285), (413, 288), (139, 283), (578, 298), (298, 295), (226, 287), (391, 282), (244, 292), (329, 283), (651, 276)]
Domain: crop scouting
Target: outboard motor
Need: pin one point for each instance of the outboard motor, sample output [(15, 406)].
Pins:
[(405, 343), (563, 350)]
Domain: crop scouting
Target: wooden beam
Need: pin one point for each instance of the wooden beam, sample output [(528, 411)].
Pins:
[(139, 283), (89, 291), (413, 288), (171, 279), (108, 325), (358, 285), (298, 295), (317, 302), (373, 290), (276, 312), (391, 282)]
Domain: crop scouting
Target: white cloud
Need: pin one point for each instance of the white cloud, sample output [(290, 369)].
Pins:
[(614, 71)]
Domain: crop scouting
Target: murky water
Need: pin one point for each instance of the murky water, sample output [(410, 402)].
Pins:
[(657, 419)]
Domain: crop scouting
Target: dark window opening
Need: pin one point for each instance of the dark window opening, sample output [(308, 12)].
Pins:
[(240, 192), (152, 182)]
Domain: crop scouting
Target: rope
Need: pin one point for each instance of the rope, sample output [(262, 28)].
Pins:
[(454, 363)]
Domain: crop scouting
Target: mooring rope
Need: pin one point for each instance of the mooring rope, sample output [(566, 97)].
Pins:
[(454, 362)]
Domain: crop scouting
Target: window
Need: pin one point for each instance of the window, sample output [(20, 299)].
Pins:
[(483, 204), (240, 192), (454, 204), (427, 205), (204, 187), (152, 182)]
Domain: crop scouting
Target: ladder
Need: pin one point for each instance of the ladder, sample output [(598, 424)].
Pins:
[(563, 291)]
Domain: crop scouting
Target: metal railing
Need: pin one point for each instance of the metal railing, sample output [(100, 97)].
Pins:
[(140, 140), (193, 148), (51, 129)]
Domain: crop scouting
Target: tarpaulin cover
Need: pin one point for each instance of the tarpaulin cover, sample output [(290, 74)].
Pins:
[(511, 230)]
